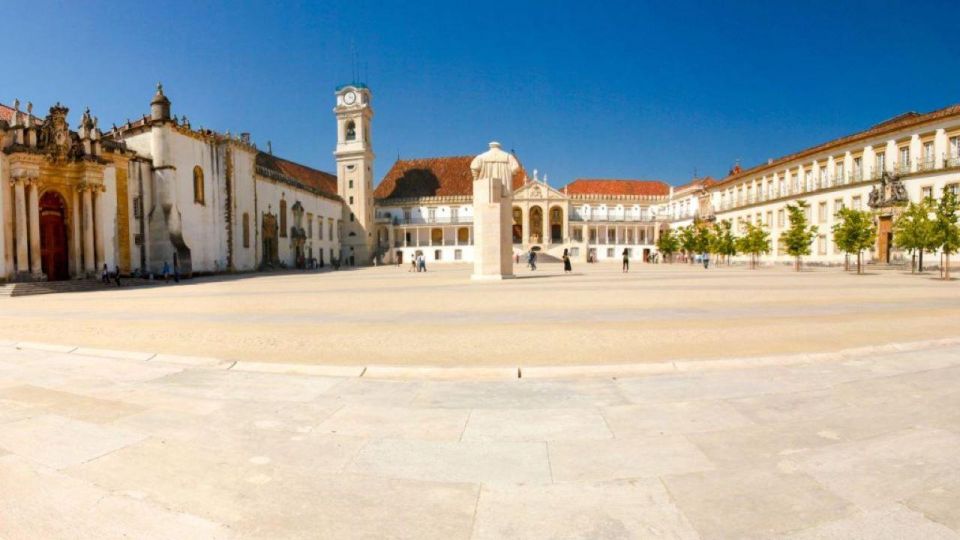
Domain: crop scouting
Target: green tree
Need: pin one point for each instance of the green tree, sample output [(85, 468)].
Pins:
[(854, 232), (667, 244), (798, 237), (913, 231), (703, 238), (724, 241), (756, 242), (945, 228), (687, 236)]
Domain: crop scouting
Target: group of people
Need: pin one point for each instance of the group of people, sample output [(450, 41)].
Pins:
[(105, 275), (418, 263)]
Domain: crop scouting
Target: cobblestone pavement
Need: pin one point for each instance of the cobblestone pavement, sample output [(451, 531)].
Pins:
[(144, 446), (598, 315)]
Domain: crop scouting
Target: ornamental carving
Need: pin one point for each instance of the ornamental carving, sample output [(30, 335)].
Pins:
[(890, 192), (55, 139)]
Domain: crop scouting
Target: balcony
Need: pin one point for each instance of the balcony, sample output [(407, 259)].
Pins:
[(927, 164), (437, 220)]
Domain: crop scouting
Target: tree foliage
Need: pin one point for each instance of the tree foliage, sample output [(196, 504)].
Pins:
[(854, 232), (755, 242), (945, 229), (913, 230), (799, 236), (724, 243), (668, 244)]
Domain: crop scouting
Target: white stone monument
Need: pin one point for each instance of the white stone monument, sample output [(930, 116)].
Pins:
[(493, 173)]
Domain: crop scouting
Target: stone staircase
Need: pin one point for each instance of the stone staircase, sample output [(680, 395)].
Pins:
[(73, 285)]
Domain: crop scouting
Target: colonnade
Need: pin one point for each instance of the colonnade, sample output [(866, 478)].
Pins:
[(84, 238)]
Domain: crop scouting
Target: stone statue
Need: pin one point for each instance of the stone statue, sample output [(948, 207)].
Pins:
[(493, 173)]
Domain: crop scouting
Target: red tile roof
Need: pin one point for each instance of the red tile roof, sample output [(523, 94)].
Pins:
[(704, 182), (592, 186), (307, 176), (432, 177), (896, 123), (6, 113)]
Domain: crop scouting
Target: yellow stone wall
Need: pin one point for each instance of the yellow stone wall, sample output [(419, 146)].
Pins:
[(122, 165)]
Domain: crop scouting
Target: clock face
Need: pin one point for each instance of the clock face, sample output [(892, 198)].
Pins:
[(349, 98)]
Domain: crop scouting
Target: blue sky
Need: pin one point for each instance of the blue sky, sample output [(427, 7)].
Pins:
[(577, 89)]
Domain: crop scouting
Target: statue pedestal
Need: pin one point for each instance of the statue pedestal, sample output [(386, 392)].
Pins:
[(492, 242)]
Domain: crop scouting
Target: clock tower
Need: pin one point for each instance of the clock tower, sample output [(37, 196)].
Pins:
[(354, 156)]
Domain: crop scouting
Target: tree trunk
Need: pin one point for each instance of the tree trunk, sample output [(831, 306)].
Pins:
[(796, 264), (859, 271), (946, 268), (846, 262), (913, 262), (920, 267)]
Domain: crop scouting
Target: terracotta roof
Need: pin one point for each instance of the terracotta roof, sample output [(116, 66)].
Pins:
[(592, 186), (307, 176), (6, 113), (432, 177), (704, 182), (896, 123)]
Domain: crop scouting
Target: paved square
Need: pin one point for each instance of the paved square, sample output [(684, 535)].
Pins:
[(739, 409)]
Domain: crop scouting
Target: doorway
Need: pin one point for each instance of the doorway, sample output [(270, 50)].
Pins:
[(54, 259), (270, 240), (885, 238)]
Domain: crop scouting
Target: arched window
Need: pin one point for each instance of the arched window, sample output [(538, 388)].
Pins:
[(283, 218), (198, 185), (351, 131), (246, 230), (463, 235)]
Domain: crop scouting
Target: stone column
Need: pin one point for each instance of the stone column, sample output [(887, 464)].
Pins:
[(8, 246), (98, 218), (525, 226), (33, 203), (88, 262), (21, 204), (75, 229)]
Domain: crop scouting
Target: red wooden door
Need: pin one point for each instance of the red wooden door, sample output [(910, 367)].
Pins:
[(53, 237)]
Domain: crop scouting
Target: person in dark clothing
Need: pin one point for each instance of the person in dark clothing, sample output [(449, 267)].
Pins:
[(116, 275), (567, 267), (626, 260)]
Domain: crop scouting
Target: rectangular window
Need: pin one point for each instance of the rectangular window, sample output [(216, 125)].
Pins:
[(351, 184), (454, 215), (954, 148), (856, 203), (431, 215), (822, 245), (926, 192), (929, 158), (351, 199), (610, 253), (574, 252), (953, 188), (406, 215), (822, 179), (309, 225), (857, 168), (137, 207), (458, 254), (822, 212), (780, 218), (320, 227), (769, 218), (903, 166), (838, 171), (837, 205), (880, 164)]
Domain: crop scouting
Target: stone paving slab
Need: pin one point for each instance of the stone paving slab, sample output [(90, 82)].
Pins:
[(36, 502), (58, 442), (849, 447), (639, 508)]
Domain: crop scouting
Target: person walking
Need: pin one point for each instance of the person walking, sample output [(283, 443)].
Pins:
[(706, 260), (105, 275), (116, 275), (421, 263), (166, 272), (413, 264), (626, 261), (567, 268)]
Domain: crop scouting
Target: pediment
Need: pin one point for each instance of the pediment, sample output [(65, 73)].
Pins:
[(537, 191)]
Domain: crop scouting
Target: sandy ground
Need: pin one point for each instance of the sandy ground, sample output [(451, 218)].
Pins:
[(387, 315)]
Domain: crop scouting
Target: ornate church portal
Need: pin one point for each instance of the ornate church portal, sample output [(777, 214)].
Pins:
[(53, 237)]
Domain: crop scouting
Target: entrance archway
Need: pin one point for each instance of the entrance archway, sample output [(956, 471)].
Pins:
[(54, 260), (536, 225)]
